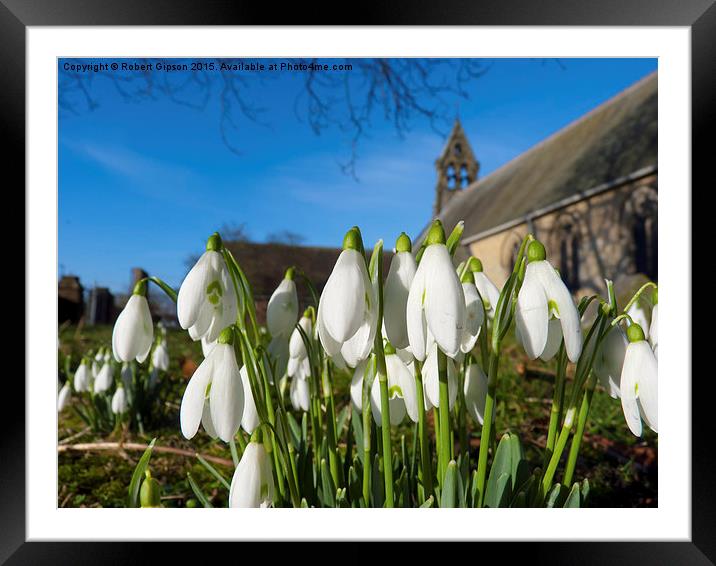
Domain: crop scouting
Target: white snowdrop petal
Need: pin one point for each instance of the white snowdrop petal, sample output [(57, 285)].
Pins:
[(488, 291), (192, 292), (415, 315), (250, 417), (192, 403), (557, 292), (403, 376), (444, 299), (554, 340), (531, 315), (226, 398), (344, 296), (474, 317), (629, 389), (648, 383), (654, 327), (63, 396), (397, 288), (475, 390), (357, 383), (282, 309)]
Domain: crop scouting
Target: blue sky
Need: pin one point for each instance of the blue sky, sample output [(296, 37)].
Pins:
[(143, 182)]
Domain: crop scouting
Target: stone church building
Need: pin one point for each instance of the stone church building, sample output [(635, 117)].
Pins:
[(588, 192)]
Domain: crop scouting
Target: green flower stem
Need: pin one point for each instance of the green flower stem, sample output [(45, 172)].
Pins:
[(425, 461), (367, 460), (444, 411), (638, 294), (555, 416), (385, 423), (487, 432), (461, 412), (248, 298), (171, 293), (579, 433), (274, 440), (336, 469)]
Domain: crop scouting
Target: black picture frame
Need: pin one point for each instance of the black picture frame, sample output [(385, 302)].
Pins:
[(699, 15)]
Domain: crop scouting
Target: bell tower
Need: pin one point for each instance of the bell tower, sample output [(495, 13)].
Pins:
[(456, 167)]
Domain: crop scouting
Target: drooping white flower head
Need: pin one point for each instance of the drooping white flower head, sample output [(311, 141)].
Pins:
[(639, 382), (250, 417), (119, 401), (298, 362), (207, 303), (226, 394), (104, 379), (436, 302), (160, 356), (403, 377), (475, 390), (82, 377), (637, 313), (431, 380), (544, 295), (134, 331), (488, 291), (474, 314), (609, 360), (348, 309), (299, 394), (654, 326), (397, 287), (282, 309), (252, 483), (63, 396)]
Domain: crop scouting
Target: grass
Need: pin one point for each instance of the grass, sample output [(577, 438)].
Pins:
[(621, 468)]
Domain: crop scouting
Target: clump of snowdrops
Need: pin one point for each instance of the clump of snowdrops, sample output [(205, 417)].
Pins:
[(424, 338)]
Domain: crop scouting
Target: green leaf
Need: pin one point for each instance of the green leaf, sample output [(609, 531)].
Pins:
[(585, 491), (295, 431), (447, 498), (474, 495), (198, 492), (214, 472), (354, 484), (341, 499), (428, 502), (138, 475), (357, 425), (553, 495), (378, 485), (304, 503), (501, 465), (234, 453), (520, 467), (341, 421), (328, 487), (573, 498), (454, 238)]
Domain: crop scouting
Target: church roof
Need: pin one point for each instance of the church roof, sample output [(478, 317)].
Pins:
[(612, 141)]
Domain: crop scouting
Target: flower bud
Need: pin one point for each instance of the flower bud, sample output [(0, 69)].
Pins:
[(149, 494)]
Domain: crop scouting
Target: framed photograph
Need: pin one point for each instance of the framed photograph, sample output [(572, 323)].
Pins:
[(406, 269)]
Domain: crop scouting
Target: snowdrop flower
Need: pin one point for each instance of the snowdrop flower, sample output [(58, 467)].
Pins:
[(488, 291), (544, 295), (134, 332), (299, 394), (475, 390), (250, 418), (638, 315), (639, 382), (82, 377), (160, 356), (654, 327), (207, 302), (401, 380), (282, 309), (252, 483), (431, 381), (397, 287), (436, 302), (348, 309), (609, 360), (226, 394), (63, 396), (474, 313), (104, 379), (364, 370), (119, 401), (298, 363)]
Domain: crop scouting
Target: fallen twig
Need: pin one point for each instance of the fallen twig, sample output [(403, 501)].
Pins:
[(118, 446)]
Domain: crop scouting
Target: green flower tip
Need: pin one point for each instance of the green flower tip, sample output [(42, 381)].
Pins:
[(475, 264), (353, 240), (149, 494), (403, 243), (467, 277), (606, 307), (290, 273), (536, 251), (227, 336), (388, 349), (213, 244), (436, 235), (635, 333), (140, 288)]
